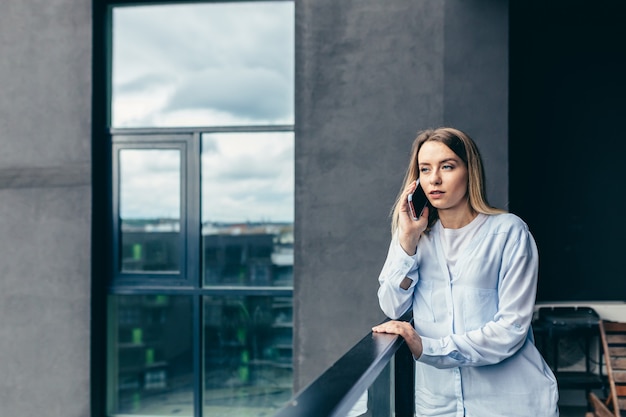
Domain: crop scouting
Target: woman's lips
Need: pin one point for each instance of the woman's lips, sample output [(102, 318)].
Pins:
[(436, 194)]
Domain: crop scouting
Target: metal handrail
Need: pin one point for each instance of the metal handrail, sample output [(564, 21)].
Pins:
[(336, 391)]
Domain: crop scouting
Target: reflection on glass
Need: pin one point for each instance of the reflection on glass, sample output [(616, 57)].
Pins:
[(247, 209), (150, 353), (212, 64), (378, 399), (150, 210), (247, 355), (360, 407)]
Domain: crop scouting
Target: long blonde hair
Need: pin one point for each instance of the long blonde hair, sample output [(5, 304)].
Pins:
[(464, 147)]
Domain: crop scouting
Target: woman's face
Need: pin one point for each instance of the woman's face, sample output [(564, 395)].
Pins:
[(443, 176)]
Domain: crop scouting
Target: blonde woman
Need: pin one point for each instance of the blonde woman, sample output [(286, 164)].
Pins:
[(469, 273)]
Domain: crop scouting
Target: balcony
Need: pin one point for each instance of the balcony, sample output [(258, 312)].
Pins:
[(374, 379)]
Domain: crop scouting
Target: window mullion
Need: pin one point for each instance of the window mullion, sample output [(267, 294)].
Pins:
[(198, 349), (193, 206)]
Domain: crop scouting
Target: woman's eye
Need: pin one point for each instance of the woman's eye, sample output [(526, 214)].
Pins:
[(423, 169), (448, 167)]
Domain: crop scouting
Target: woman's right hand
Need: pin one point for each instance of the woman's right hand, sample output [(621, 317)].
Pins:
[(404, 329), (410, 230)]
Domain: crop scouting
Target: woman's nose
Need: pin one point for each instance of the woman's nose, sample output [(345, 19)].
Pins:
[(435, 178)]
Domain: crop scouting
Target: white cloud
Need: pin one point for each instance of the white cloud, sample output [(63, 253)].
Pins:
[(247, 177), (254, 93), (206, 65), (234, 60), (149, 183)]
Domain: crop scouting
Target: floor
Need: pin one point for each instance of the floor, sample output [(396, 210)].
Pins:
[(572, 403), (573, 411)]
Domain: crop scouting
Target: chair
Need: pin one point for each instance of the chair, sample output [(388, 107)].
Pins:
[(599, 409), (613, 336)]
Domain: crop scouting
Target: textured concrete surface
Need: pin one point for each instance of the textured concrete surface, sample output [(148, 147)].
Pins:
[(45, 207), (370, 74)]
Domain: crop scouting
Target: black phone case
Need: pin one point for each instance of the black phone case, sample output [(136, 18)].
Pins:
[(417, 199)]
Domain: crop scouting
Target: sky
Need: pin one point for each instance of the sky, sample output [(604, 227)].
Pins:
[(248, 177), (216, 64), (203, 64), (245, 177), (150, 186)]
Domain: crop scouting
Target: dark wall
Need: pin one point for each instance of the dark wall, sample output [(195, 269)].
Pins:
[(567, 143), (476, 84), (370, 74)]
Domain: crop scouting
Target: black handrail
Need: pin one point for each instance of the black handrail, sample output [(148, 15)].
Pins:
[(336, 391)]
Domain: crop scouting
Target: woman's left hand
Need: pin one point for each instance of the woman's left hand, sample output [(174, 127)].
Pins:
[(410, 230), (404, 329)]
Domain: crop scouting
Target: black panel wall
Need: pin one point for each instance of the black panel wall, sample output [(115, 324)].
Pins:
[(567, 143)]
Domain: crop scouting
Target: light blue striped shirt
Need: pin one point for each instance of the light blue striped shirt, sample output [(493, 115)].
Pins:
[(479, 358)]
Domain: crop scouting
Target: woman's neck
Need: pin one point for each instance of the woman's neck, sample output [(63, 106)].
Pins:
[(457, 218)]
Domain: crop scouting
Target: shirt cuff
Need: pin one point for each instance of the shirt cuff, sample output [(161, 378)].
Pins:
[(402, 263), (431, 348), (399, 255)]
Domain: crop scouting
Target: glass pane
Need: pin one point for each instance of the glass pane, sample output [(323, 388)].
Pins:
[(212, 64), (247, 354), (378, 399), (248, 209), (150, 210), (150, 355)]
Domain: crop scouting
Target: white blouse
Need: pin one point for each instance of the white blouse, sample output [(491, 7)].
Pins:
[(479, 356)]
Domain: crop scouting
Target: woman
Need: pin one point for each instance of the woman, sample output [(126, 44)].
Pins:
[(469, 272)]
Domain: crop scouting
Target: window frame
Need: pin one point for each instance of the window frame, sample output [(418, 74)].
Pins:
[(107, 278), (188, 140), (188, 145)]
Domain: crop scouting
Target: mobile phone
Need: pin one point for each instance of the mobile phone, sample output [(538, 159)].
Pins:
[(417, 200)]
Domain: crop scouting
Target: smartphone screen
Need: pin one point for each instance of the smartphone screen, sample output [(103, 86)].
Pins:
[(417, 201)]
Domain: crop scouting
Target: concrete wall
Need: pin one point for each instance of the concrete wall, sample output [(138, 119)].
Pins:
[(45, 207), (370, 74)]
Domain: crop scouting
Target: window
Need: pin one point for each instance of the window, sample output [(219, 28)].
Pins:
[(247, 209), (212, 64), (200, 303)]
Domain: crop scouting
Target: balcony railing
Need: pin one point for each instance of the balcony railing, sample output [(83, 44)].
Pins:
[(374, 379)]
